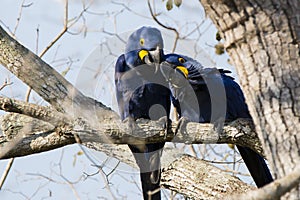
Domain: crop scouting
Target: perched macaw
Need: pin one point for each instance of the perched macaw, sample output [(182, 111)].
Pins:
[(208, 95), (140, 94)]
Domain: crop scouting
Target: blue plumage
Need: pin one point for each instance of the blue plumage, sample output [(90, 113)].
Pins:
[(141, 94), (216, 97)]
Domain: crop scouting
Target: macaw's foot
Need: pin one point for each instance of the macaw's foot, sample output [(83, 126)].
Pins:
[(165, 124), (218, 125), (131, 125), (182, 125)]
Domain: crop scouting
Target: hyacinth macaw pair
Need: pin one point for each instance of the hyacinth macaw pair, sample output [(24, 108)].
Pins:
[(147, 81)]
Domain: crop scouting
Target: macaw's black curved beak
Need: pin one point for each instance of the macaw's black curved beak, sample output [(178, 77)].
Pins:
[(155, 58)]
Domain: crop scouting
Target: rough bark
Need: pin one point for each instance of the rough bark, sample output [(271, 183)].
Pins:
[(198, 179), (262, 39), (208, 181), (23, 135), (201, 180), (273, 190)]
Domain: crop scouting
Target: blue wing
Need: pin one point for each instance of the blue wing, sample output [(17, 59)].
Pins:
[(216, 91), (236, 104), (139, 98)]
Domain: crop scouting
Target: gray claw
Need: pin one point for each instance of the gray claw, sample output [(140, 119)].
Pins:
[(165, 121), (181, 126), (218, 125), (131, 124)]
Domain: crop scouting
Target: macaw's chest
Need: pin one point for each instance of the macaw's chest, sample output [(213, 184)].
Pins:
[(151, 101)]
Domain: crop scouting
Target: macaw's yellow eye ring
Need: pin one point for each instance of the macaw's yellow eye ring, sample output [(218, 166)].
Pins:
[(181, 60), (142, 41)]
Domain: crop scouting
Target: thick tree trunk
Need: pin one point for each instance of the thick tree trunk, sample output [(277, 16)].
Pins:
[(262, 38)]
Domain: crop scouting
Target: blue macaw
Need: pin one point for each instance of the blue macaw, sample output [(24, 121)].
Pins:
[(140, 94), (208, 95)]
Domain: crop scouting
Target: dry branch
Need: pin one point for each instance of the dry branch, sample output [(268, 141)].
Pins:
[(273, 190), (202, 180), (238, 132)]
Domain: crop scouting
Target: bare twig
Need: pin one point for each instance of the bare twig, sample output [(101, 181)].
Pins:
[(63, 31), (114, 34), (11, 160), (192, 149), (6, 83), (103, 175), (6, 171), (68, 182), (27, 95), (164, 26), (19, 18), (129, 9)]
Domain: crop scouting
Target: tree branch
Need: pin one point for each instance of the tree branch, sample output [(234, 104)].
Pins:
[(273, 190), (43, 113), (239, 132), (44, 80), (201, 179)]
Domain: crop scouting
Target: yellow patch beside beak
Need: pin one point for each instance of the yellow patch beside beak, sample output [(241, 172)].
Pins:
[(143, 53), (183, 70)]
